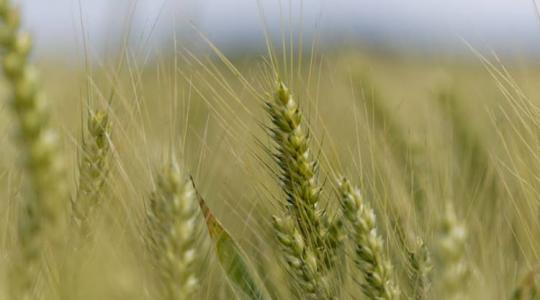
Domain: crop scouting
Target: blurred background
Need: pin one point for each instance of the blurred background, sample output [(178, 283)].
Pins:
[(395, 93), (511, 28)]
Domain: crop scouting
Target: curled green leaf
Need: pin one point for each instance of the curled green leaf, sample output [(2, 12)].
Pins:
[(231, 257)]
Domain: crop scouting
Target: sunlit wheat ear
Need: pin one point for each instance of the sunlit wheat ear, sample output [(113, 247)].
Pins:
[(44, 206), (370, 257), (301, 261), (173, 227), (94, 165), (233, 260), (421, 267), (454, 270)]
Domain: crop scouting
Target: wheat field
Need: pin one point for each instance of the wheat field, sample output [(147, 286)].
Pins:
[(298, 174)]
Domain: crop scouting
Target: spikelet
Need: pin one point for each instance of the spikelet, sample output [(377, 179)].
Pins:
[(173, 218), (42, 219), (370, 257), (94, 165)]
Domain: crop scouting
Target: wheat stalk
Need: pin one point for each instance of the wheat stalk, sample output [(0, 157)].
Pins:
[(173, 226), (42, 218), (370, 257)]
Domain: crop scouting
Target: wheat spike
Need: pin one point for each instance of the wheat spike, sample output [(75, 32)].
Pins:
[(302, 263), (299, 182), (297, 166), (453, 263), (421, 265), (370, 257), (42, 218), (94, 165), (173, 227)]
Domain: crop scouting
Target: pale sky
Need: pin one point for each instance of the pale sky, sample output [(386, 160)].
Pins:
[(502, 25)]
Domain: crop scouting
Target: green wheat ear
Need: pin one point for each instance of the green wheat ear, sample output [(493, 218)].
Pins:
[(42, 219), (94, 165), (315, 238), (298, 168), (370, 257), (231, 257)]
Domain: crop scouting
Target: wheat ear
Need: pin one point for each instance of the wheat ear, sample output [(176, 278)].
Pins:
[(454, 267), (421, 265), (370, 257), (301, 261), (94, 165), (172, 219), (297, 166), (42, 218), (299, 182)]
